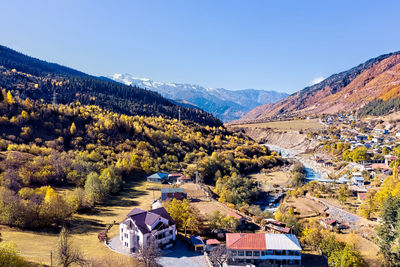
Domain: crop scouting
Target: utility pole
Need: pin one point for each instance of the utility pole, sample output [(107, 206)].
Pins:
[(258, 180), (54, 98), (197, 179), (51, 258), (179, 115)]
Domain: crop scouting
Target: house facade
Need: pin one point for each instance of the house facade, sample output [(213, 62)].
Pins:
[(171, 193), (263, 249), (141, 226), (158, 177)]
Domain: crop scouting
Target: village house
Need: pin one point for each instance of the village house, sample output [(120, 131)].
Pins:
[(265, 249), (358, 179), (173, 177), (158, 177), (171, 193), (276, 227), (212, 243), (142, 226), (184, 180), (389, 159), (361, 138), (331, 224), (343, 180)]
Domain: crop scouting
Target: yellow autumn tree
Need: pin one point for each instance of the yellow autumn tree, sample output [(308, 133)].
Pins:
[(72, 130), (10, 99)]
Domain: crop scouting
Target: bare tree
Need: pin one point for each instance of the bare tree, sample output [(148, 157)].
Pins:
[(218, 255), (67, 254), (149, 253)]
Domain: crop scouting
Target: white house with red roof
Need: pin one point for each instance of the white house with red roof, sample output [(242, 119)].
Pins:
[(263, 249), (140, 226)]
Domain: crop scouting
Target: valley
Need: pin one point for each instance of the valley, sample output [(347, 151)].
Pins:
[(128, 176)]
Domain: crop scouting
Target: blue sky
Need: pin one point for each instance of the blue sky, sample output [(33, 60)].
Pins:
[(235, 44)]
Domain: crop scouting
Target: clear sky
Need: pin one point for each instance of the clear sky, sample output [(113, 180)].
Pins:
[(235, 44)]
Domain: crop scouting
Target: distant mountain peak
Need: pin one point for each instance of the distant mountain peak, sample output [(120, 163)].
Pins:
[(226, 104)]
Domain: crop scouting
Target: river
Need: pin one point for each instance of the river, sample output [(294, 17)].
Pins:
[(313, 171)]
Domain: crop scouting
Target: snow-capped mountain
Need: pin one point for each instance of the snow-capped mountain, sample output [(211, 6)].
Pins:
[(226, 104)]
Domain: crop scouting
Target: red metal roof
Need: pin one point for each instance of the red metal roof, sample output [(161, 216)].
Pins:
[(285, 230), (175, 174), (378, 165), (245, 241), (362, 196), (213, 242)]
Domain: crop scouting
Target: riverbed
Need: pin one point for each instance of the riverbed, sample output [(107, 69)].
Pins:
[(313, 171)]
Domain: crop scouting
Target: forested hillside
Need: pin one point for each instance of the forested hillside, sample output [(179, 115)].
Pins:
[(39, 80), (94, 150)]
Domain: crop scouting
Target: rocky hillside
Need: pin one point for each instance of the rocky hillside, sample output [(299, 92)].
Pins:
[(377, 78), (226, 104)]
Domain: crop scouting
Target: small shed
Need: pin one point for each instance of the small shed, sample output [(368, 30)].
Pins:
[(211, 243), (361, 196), (173, 177), (158, 177), (197, 243), (184, 179)]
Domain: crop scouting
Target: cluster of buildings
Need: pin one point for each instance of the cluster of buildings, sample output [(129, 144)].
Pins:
[(277, 247), (165, 178)]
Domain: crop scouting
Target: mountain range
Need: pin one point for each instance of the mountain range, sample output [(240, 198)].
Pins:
[(370, 88), (28, 77), (226, 104)]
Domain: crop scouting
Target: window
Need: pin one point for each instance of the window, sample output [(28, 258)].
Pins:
[(170, 232), (249, 253), (233, 253), (240, 253), (263, 253), (256, 253)]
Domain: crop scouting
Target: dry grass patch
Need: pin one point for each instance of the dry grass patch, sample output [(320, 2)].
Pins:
[(296, 125), (268, 179), (304, 206), (36, 246)]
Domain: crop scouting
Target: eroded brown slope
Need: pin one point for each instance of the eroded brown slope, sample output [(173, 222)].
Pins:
[(345, 91)]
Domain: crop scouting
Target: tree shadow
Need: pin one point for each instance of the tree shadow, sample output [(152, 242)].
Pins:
[(125, 198), (85, 225), (314, 260)]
